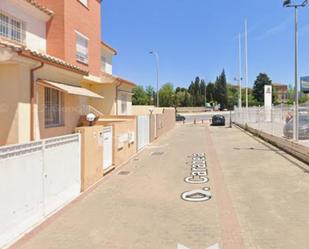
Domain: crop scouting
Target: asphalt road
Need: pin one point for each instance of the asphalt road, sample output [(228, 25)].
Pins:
[(205, 116)]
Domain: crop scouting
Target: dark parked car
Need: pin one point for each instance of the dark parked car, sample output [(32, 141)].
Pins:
[(180, 117), (218, 120), (303, 127)]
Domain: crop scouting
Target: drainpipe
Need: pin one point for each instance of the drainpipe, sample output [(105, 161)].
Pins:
[(32, 99), (117, 89)]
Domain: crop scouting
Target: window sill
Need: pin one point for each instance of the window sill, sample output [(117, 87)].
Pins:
[(83, 63), (21, 43), (54, 126)]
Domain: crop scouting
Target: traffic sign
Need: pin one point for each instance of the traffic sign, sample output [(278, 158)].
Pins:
[(304, 84)]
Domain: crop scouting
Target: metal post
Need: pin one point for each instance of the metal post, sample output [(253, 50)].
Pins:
[(287, 3), (246, 49), (157, 68), (294, 122), (296, 76), (272, 120), (240, 75)]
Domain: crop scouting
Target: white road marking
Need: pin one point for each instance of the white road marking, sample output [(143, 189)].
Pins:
[(216, 246), (180, 246), (156, 146)]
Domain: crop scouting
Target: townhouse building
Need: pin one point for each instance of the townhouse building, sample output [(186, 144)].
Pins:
[(54, 68), (281, 91), (81, 45)]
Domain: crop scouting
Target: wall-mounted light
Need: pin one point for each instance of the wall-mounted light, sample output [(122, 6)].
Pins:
[(91, 118)]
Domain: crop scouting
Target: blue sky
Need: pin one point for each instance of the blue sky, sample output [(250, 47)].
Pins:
[(199, 38)]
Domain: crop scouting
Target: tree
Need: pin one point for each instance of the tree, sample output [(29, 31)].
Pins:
[(166, 95), (150, 94), (197, 92), (258, 89), (210, 92), (203, 92), (232, 99), (139, 96), (303, 98), (187, 100), (180, 98), (221, 91)]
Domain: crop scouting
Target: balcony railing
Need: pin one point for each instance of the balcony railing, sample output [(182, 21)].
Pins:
[(12, 28)]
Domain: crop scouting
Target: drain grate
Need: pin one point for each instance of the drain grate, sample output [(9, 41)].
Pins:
[(157, 153), (124, 173)]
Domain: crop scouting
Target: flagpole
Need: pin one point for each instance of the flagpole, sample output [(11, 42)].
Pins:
[(240, 73), (246, 49)]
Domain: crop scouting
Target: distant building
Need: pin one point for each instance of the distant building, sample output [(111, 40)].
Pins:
[(281, 92)]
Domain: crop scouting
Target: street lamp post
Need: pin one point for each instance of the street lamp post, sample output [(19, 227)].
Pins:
[(246, 63), (239, 79), (156, 55), (289, 4)]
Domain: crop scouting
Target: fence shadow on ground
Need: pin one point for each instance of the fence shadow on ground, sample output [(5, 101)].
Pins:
[(281, 153)]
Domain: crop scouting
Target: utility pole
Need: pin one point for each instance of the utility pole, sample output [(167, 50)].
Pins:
[(156, 55), (287, 3), (246, 64), (240, 73), (296, 135)]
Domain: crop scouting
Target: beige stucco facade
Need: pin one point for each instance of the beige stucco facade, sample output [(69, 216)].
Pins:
[(124, 95), (14, 105), (145, 109), (74, 105), (114, 95), (91, 155), (15, 102), (122, 128), (106, 106)]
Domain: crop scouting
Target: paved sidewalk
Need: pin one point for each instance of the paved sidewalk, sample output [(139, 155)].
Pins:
[(269, 190), (143, 209), (260, 199)]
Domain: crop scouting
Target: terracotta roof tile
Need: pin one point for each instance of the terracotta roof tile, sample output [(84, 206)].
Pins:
[(109, 47), (40, 7), (115, 78), (55, 60), (45, 57)]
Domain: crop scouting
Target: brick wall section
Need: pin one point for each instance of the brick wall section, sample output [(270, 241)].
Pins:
[(71, 15), (55, 28)]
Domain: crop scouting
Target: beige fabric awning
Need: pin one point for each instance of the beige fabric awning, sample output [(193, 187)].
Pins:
[(75, 90)]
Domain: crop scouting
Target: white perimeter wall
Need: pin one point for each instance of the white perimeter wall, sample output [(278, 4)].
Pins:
[(36, 179)]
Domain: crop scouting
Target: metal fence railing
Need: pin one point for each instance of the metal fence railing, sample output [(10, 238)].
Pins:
[(277, 120)]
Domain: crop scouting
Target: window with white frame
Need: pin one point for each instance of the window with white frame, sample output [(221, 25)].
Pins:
[(124, 103), (54, 104), (82, 48), (12, 28), (84, 2)]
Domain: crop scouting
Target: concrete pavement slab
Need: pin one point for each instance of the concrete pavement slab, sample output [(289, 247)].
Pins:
[(268, 189), (259, 199), (142, 209)]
